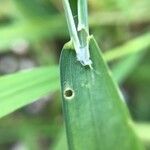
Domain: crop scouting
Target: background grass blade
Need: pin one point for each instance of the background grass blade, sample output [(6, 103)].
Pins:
[(26, 87), (93, 106), (31, 31), (122, 69), (34, 9), (131, 47)]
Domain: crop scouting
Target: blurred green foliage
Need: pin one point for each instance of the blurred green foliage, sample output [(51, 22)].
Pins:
[(36, 30)]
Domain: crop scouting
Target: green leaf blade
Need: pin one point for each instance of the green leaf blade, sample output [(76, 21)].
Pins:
[(23, 88), (96, 116)]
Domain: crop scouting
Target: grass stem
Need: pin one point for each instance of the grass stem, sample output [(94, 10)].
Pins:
[(71, 25), (80, 37), (83, 15)]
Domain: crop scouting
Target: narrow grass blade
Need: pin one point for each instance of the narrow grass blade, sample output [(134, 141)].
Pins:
[(83, 15), (95, 114), (79, 38), (33, 9), (122, 69), (131, 47), (83, 33), (23, 88), (31, 31), (71, 25)]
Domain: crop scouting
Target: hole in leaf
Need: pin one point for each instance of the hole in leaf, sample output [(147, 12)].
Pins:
[(68, 93)]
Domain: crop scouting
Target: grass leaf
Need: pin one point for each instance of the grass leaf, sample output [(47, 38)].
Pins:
[(34, 9), (31, 31), (23, 88), (93, 106), (131, 47), (122, 69)]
